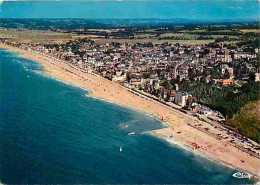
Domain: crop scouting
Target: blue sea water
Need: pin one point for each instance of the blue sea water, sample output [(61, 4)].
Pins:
[(52, 133), (214, 9)]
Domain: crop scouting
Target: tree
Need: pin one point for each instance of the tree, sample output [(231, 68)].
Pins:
[(128, 78), (167, 85), (146, 75)]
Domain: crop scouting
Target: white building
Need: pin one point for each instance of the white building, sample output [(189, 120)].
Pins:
[(257, 77), (181, 98), (206, 112)]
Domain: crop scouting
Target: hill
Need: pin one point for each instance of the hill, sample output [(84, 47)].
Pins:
[(248, 121)]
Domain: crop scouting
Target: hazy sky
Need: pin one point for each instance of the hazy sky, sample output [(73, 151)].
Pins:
[(189, 9)]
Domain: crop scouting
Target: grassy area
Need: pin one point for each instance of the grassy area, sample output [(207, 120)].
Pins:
[(154, 41), (146, 35), (171, 35), (250, 31), (37, 36), (248, 121), (197, 30), (192, 37), (195, 34)]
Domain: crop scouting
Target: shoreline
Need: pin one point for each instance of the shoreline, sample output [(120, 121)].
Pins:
[(109, 91), (194, 152)]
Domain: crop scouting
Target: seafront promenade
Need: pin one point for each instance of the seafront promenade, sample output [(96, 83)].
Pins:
[(184, 127)]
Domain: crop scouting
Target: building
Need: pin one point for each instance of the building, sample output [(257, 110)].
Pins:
[(181, 98), (205, 112), (257, 77), (226, 82)]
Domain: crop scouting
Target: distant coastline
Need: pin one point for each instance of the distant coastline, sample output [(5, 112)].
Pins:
[(183, 133)]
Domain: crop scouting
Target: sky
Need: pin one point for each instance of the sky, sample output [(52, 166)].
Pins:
[(189, 9)]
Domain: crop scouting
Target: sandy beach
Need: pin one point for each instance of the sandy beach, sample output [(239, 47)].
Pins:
[(180, 128)]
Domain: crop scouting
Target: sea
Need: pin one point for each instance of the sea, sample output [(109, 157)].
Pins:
[(52, 133)]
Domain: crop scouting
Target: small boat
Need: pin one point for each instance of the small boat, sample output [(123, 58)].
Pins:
[(120, 149), (242, 175), (131, 133)]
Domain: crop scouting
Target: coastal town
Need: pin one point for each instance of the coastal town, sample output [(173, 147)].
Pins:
[(130, 92), (158, 72)]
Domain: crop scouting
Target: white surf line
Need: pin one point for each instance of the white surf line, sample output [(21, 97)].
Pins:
[(179, 144)]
